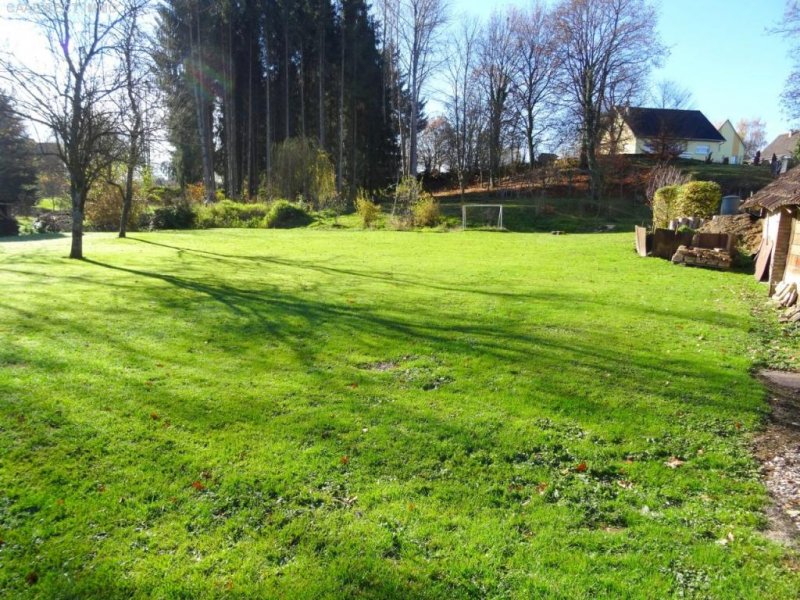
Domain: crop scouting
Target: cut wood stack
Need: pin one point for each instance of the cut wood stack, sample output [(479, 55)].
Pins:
[(715, 258), (785, 294)]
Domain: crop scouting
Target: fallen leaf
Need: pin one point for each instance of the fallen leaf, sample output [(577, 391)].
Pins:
[(581, 468), (738, 425), (626, 485), (674, 462), (198, 485), (542, 487), (345, 460)]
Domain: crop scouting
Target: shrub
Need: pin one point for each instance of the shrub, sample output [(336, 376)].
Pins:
[(406, 195), (228, 213), (664, 204), (284, 215), (52, 223), (367, 209), (163, 194), (104, 208), (698, 199), (662, 175), (175, 216), (8, 226), (195, 193), (300, 167), (426, 211)]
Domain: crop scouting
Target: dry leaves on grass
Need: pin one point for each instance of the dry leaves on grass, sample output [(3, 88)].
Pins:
[(674, 462)]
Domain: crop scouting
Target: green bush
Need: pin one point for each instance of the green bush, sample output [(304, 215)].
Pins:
[(284, 215), (175, 216), (426, 211), (664, 203), (164, 195), (228, 213), (367, 209), (698, 199)]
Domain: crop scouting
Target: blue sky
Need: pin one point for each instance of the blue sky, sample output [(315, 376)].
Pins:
[(719, 49)]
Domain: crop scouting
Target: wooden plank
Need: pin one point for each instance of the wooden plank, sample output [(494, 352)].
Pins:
[(664, 243), (763, 259), (641, 241)]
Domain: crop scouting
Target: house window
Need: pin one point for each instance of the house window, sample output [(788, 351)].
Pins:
[(701, 150)]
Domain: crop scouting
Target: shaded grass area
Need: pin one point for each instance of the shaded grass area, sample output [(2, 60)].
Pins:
[(377, 414)]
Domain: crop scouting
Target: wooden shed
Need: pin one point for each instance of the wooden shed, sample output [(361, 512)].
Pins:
[(779, 256)]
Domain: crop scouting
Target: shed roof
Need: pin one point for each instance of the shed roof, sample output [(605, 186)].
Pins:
[(681, 124), (784, 191)]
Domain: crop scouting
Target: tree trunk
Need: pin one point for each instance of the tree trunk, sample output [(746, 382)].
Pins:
[(202, 112), (127, 201), (286, 72), (340, 165), (78, 198), (321, 74)]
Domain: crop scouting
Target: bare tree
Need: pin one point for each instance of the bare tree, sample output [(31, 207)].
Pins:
[(497, 64), (463, 102), (420, 25), (138, 87), (608, 48), (72, 98), (753, 133), (790, 29), (537, 67), (432, 145), (669, 94)]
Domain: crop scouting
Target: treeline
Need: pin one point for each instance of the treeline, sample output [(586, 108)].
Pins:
[(241, 78), (541, 75)]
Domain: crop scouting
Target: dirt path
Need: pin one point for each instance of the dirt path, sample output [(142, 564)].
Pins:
[(778, 449)]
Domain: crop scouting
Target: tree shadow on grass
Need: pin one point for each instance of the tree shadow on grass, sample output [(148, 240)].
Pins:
[(549, 296)]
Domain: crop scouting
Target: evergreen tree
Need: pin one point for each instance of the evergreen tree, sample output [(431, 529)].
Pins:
[(17, 163)]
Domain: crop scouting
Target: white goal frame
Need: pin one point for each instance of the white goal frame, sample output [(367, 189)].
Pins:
[(464, 208)]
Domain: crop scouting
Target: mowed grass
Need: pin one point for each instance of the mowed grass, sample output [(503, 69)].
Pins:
[(356, 414)]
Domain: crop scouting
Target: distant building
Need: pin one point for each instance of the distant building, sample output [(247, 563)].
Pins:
[(782, 146), (684, 133), (733, 148)]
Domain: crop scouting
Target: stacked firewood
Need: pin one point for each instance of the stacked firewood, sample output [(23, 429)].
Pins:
[(786, 295), (717, 258)]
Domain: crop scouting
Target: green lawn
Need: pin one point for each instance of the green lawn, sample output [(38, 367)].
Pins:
[(338, 414)]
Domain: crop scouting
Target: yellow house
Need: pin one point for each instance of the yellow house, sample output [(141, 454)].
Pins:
[(733, 148), (674, 132)]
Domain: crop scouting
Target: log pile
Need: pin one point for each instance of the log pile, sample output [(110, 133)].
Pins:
[(786, 296), (715, 258)]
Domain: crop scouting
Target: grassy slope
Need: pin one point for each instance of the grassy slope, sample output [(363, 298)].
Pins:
[(246, 362)]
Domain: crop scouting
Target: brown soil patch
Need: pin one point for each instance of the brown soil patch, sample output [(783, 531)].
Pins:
[(746, 229)]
